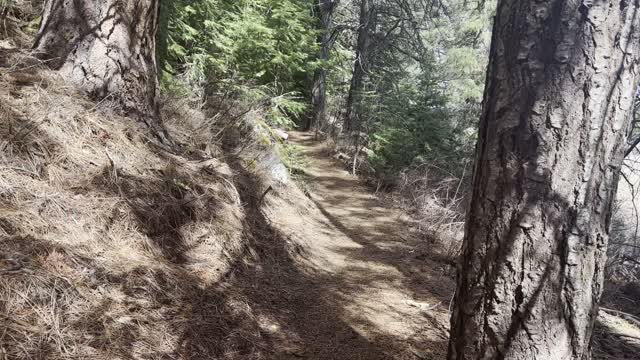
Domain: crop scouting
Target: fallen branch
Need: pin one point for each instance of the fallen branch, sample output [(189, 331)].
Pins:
[(634, 319), (628, 336)]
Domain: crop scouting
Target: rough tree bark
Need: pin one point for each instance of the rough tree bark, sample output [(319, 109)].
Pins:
[(360, 65), (107, 49), (557, 108), (324, 12)]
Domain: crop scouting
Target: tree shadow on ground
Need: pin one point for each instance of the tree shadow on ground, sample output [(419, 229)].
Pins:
[(423, 276), (295, 310), (385, 242), (265, 307), (162, 204)]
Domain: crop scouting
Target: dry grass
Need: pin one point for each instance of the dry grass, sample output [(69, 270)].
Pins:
[(17, 21), (436, 201), (112, 247)]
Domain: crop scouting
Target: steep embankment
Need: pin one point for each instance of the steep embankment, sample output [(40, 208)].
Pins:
[(109, 243)]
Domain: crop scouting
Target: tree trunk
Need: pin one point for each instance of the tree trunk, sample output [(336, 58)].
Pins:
[(318, 99), (107, 49), (557, 108), (360, 65), (324, 11)]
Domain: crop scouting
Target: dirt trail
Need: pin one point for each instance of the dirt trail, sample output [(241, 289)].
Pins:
[(368, 293), (367, 289)]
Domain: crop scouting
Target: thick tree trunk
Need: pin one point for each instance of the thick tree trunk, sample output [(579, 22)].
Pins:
[(106, 48), (324, 11), (318, 99), (557, 109), (360, 66)]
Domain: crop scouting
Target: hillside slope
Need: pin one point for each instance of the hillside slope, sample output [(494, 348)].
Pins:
[(109, 241), (115, 247)]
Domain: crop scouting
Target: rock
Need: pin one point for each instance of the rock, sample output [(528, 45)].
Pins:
[(280, 135)]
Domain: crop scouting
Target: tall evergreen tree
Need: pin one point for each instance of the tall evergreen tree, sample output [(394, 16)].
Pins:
[(324, 12), (557, 107), (361, 64)]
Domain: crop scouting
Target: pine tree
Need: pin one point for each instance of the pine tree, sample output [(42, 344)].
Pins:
[(107, 49), (557, 106)]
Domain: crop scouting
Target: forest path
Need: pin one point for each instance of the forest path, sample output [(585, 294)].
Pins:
[(379, 296), (385, 285), (371, 290)]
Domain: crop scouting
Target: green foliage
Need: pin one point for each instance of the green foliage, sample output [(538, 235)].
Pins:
[(281, 110), (423, 84), (414, 130), (293, 158), (284, 110), (247, 49)]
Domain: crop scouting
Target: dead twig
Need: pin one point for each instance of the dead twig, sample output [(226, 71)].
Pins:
[(634, 319), (264, 194)]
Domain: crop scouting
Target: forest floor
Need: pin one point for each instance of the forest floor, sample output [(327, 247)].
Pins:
[(393, 292), (115, 248), (381, 295)]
